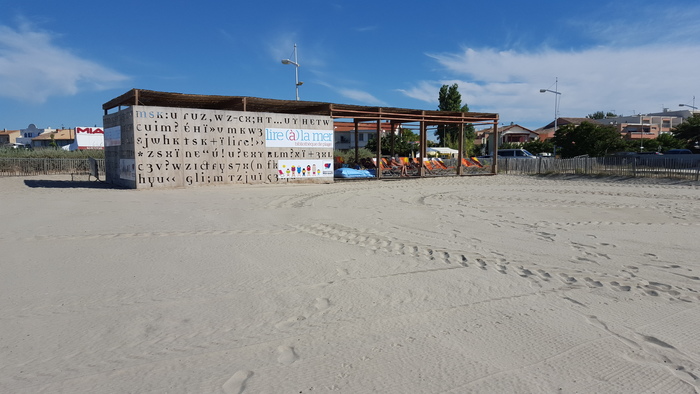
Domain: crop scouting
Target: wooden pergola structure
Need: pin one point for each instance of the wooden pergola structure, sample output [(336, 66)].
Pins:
[(357, 113)]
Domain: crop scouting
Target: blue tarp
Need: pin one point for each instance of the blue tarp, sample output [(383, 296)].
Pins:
[(352, 173)]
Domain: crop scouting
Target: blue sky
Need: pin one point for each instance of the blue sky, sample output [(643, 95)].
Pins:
[(60, 61)]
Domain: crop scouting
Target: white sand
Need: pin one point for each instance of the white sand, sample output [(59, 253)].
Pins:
[(484, 284)]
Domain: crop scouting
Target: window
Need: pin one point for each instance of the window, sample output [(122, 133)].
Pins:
[(362, 137)]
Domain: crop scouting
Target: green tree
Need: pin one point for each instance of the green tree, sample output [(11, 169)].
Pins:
[(409, 135), (404, 143), (588, 139), (449, 99), (668, 141), (688, 131), (538, 146), (601, 115)]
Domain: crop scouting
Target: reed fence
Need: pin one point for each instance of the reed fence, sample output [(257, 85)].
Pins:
[(43, 166), (654, 167)]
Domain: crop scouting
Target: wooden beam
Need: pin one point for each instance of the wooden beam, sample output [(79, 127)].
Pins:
[(357, 141), (460, 154), (494, 158), (379, 149)]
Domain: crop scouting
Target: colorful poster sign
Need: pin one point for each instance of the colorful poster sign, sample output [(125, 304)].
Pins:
[(288, 169), (90, 137), (298, 138)]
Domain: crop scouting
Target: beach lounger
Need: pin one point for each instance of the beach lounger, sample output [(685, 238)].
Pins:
[(467, 163), (428, 166)]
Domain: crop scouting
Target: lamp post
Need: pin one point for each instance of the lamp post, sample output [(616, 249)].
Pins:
[(295, 63), (688, 105), (557, 95)]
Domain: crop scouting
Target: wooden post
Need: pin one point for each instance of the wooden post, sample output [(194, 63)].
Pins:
[(423, 149), (393, 139), (357, 141), (379, 149), (494, 158), (460, 154)]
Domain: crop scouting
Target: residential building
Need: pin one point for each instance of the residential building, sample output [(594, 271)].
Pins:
[(62, 138), (27, 134), (9, 136), (345, 133), (647, 126), (512, 133), (547, 131)]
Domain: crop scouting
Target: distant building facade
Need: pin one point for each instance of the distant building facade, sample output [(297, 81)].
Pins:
[(345, 133), (54, 138), (512, 133), (547, 131), (26, 135), (647, 126), (9, 136)]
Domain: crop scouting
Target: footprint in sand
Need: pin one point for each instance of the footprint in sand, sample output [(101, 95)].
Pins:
[(617, 286), (463, 261), (524, 272), (567, 279), (289, 322), (544, 274), (286, 355), (322, 304), (236, 384)]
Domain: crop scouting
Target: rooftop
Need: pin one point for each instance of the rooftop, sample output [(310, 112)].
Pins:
[(255, 104)]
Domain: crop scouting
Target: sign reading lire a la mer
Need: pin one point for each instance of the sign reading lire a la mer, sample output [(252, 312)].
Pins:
[(293, 138), (159, 147)]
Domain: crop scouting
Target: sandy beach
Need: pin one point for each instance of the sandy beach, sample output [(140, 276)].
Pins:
[(500, 284)]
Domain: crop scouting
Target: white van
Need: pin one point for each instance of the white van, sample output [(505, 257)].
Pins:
[(516, 154), (17, 145)]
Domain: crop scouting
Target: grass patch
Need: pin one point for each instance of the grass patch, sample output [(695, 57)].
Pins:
[(50, 153)]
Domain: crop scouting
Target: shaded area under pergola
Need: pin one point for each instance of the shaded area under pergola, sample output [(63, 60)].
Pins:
[(356, 113)]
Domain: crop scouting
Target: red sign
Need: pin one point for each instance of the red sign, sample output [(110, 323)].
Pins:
[(89, 130)]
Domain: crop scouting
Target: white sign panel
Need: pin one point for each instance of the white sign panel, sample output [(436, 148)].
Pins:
[(296, 169), (90, 137), (127, 169), (298, 138), (113, 136)]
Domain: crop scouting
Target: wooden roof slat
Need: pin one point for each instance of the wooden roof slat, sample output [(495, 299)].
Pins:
[(255, 104)]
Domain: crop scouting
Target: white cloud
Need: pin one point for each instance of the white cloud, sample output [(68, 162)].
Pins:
[(360, 97), (32, 68), (425, 91), (645, 61), (625, 80)]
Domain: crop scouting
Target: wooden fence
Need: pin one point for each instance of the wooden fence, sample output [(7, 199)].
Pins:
[(654, 167), (25, 166)]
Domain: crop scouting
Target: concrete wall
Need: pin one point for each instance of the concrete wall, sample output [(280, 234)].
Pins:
[(161, 147)]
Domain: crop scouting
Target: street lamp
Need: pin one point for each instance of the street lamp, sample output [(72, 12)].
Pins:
[(688, 105), (557, 95), (295, 63)]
